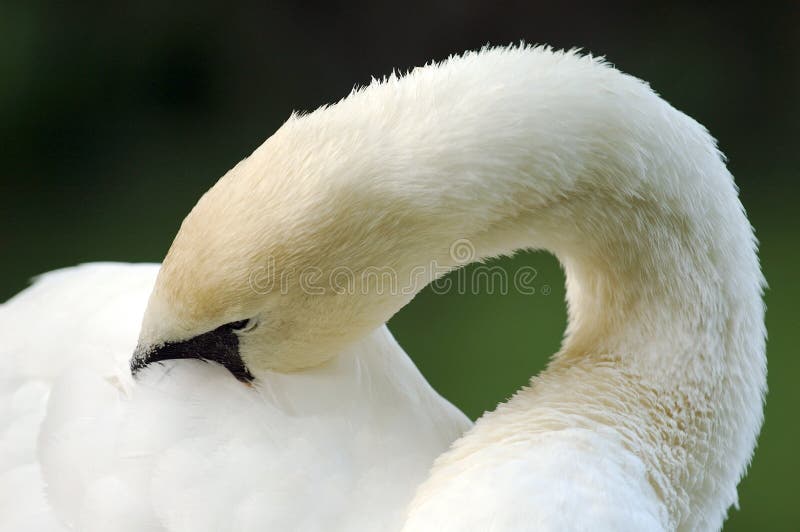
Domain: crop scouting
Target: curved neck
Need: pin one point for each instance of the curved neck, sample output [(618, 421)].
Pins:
[(515, 149)]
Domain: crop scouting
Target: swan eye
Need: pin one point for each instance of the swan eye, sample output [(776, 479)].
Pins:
[(243, 326)]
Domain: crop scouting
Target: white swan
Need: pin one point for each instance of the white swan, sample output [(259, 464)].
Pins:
[(645, 420)]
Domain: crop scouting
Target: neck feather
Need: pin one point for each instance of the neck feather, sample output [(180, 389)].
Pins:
[(521, 148), (530, 149)]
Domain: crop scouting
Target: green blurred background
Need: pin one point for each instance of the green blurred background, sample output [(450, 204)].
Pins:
[(114, 119)]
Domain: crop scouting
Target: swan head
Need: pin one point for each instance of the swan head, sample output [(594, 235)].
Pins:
[(262, 275)]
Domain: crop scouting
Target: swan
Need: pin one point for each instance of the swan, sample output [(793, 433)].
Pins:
[(312, 417)]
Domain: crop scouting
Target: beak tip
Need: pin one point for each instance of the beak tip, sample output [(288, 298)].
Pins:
[(139, 360)]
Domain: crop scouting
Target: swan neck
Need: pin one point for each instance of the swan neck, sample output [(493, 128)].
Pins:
[(557, 153), (631, 195), (663, 357)]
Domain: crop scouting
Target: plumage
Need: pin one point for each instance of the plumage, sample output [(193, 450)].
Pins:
[(187, 447), (645, 419)]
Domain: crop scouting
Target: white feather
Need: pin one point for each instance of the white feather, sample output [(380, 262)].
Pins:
[(188, 447)]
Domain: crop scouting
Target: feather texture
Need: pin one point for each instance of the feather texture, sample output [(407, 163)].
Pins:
[(188, 448)]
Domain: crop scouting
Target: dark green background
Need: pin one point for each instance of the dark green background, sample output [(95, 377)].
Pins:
[(114, 119)]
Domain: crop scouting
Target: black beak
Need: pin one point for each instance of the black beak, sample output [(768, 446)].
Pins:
[(220, 345)]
